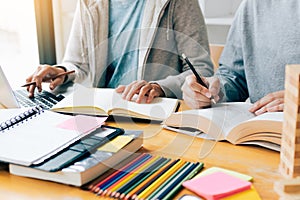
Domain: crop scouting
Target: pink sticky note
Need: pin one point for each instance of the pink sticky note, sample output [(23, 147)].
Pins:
[(82, 123), (216, 185)]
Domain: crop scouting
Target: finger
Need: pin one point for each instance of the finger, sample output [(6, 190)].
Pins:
[(127, 89), (135, 89), (265, 100), (261, 110), (56, 82), (152, 94), (194, 99), (275, 102), (120, 88), (214, 88), (143, 92), (31, 91), (276, 108)]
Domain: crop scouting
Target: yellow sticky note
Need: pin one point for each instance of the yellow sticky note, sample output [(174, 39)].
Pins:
[(227, 171), (246, 194), (117, 143)]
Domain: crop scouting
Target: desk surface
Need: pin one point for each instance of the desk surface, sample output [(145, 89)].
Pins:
[(260, 163)]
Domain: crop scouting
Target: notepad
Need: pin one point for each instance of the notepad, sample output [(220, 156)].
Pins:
[(216, 185), (227, 171)]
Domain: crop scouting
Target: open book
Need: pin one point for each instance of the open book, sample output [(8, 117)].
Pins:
[(232, 122), (87, 169), (105, 101)]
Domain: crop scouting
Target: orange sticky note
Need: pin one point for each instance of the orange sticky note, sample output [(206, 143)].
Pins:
[(82, 123), (216, 185)]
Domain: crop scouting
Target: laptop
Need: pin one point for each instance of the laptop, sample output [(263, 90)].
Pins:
[(19, 98)]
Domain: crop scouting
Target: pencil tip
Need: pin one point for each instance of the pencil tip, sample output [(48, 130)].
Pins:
[(183, 56)]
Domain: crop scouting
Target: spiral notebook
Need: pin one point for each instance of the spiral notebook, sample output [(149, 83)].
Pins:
[(29, 136)]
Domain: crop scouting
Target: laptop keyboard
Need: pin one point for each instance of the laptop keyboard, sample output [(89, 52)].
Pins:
[(80, 149), (44, 99)]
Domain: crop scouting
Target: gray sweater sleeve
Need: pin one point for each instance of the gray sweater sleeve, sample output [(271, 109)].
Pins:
[(231, 70), (192, 40)]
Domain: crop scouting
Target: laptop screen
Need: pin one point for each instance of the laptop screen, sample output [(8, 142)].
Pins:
[(7, 97)]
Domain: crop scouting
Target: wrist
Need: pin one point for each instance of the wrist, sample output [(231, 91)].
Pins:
[(157, 88)]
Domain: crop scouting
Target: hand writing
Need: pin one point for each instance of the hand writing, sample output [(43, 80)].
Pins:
[(198, 96)]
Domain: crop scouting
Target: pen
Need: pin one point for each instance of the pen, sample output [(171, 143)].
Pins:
[(58, 75), (199, 79)]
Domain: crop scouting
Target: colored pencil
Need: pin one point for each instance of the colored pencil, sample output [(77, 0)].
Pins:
[(122, 191), (168, 194), (138, 184), (97, 187), (92, 186), (144, 194), (113, 188), (177, 175), (133, 194), (111, 181)]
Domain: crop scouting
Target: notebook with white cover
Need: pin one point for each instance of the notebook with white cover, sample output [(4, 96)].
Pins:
[(29, 136)]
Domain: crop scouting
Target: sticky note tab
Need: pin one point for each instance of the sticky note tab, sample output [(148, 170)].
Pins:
[(216, 185), (82, 123), (117, 143)]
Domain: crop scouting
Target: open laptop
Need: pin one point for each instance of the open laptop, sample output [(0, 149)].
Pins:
[(19, 98)]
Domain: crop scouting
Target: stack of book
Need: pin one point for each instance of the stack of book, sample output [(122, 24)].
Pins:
[(87, 169)]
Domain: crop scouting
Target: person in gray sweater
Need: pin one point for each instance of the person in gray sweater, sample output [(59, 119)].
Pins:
[(134, 46), (262, 40)]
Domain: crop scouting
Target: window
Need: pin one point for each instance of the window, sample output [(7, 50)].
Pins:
[(18, 38)]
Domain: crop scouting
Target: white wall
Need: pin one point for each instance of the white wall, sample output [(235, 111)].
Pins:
[(218, 17)]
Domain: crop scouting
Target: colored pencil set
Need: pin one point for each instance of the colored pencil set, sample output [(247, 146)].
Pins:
[(147, 177)]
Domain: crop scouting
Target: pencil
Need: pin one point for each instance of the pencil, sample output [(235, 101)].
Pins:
[(125, 189), (96, 188), (136, 191), (198, 77), (160, 180), (139, 184), (165, 185), (58, 75), (167, 194), (114, 179), (113, 188)]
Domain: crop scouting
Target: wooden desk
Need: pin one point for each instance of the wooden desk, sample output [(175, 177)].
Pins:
[(260, 163)]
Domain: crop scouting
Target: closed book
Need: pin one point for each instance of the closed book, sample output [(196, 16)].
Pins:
[(88, 168)]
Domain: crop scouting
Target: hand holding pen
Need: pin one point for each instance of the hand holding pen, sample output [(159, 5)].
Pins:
[(46, 80), (46, 73), (202, 94)]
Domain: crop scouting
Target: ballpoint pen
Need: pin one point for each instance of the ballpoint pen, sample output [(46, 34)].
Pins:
[(58, 75), (199, 79)]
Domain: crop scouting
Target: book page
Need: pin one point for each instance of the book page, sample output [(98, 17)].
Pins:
[(108, 100), (87, 98), (269, 116), (158, 109), (224, 115)]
